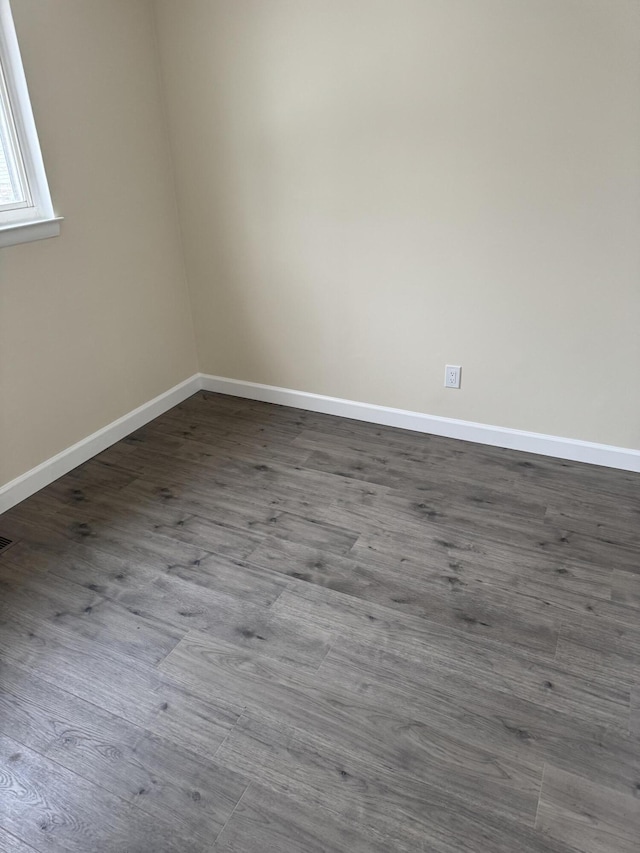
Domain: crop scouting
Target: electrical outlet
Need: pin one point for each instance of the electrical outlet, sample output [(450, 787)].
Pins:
[(452, 375)]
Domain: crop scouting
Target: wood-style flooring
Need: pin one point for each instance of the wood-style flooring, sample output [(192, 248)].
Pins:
[(252, 629)]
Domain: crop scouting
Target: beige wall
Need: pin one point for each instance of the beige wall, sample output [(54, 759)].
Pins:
[(95, 322), (371, 188), (367, 189)]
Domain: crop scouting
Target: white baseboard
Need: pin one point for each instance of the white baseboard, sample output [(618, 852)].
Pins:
[(37, 478), (531, 442)]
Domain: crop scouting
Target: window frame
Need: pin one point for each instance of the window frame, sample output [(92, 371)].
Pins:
[(35, 220)]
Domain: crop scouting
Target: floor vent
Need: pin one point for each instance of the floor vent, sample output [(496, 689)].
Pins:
[(5, 543)]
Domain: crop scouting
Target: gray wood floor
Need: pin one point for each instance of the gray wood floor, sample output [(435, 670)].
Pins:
[(248, 628)]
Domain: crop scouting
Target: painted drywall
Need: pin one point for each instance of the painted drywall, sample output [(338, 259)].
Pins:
[(97, 321), (370, 189)]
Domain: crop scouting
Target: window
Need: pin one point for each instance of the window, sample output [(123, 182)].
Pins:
[(26, 211)]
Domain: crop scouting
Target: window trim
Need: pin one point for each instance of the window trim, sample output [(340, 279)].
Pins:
[(38, 220)]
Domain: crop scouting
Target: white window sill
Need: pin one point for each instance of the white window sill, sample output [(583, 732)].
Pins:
[(25, 232)]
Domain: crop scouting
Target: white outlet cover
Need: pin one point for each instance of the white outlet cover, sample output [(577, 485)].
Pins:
[(452, 375)]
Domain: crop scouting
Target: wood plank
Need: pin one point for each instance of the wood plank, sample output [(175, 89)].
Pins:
[(10, 844), (625, 588), (395, 758), (606, 521), (279, 635), (199, 438), (111, 578), (478, 700), (289, 823), (264, 512), (346, 699), (439, 596), (603, 649), (383, 626), (53, 809), (161, 777), (83, 611), (125, 687), (588, 816)]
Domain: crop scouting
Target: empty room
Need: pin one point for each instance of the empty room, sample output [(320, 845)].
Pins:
[(319, 426)]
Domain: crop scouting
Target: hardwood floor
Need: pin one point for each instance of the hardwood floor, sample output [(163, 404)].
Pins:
[(250, 628)]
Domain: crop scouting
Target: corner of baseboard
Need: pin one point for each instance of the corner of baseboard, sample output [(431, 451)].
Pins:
[(42, 475)]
